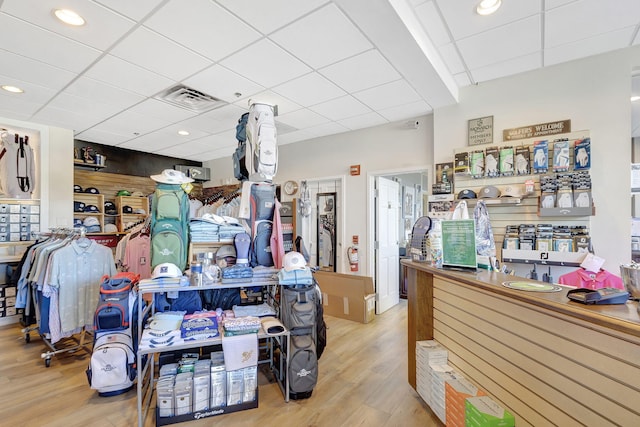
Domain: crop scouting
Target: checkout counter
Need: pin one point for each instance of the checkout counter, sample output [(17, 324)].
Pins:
[(546, 359)]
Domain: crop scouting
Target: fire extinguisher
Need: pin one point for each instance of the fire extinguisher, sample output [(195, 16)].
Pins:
[(352, 253)]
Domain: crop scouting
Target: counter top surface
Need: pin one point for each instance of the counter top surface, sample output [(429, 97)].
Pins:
[(620, 317)]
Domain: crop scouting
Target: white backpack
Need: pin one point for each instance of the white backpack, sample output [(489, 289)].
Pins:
[(112, 368), (262, 147)]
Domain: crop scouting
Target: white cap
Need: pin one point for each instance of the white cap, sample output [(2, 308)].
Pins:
[(171, 176), (166, 269), (110, 228), (294, 261), (91, 220), (511, 191)]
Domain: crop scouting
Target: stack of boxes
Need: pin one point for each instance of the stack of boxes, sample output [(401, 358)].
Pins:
[(18, 220), (455, 400), (7, 292)]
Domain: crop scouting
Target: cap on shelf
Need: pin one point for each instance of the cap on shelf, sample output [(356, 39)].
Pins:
[(467, 194), (489, 192)]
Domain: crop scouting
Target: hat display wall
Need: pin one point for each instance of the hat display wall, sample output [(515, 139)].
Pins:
[(171, 176)]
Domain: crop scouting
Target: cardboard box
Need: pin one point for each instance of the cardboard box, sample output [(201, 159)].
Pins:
[(347, 296)]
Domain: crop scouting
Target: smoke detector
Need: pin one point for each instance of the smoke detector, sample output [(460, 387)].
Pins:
[(190, 99)]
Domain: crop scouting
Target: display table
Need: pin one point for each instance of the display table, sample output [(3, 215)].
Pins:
[(548, 360)]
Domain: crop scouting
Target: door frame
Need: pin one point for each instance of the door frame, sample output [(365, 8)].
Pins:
[(371, 206)]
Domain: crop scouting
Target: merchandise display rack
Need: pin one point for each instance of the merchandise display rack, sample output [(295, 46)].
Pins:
[(146, 365)]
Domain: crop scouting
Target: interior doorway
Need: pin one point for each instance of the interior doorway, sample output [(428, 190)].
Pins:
[(407, 199)]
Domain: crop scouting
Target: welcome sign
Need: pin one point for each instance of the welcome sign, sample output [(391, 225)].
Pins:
[(534, 131)]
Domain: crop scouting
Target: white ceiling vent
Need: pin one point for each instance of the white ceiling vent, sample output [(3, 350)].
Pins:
[(185, 97)]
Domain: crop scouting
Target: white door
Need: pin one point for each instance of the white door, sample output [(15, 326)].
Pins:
[(387, 256)]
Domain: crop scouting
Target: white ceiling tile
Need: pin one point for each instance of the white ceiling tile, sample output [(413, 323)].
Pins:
[(290, 138), (151, 142), (271, 15), (204, 27), (502, 43), (215, 121), (322, 38), (302, 118), (133, 9), (637, 39), (45, 46), (162, 110), (462, 79), (20, 112), (552, 4), (33, 93), (165, 57), (363, 121), (341, 108), (362, 71), (94, 90), (64, 118), (406, 111), (464, 21), (309, 89), (267, 97), (101, 30), (29, 70), (131, 124), (102, 137), (587, 18), (23, 105), (432, 23), (276, 65), (506, 68), (223, 84), (83, 107), (330, 128), (125, 75), (388, 95), (586, 47), (451, 57)]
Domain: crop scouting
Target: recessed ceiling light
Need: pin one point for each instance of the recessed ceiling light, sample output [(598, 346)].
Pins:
[(635, 98), (183, 132), (12, 89), (69, 17), (487, 7)]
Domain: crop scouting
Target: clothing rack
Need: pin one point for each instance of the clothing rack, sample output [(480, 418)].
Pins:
[(69, 340)]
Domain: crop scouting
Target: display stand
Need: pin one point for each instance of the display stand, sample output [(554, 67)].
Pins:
[(146, 365)]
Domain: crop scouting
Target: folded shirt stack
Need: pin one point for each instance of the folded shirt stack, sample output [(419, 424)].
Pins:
[(295, 277)]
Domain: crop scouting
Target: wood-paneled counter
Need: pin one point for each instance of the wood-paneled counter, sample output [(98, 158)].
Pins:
[(548, 360)]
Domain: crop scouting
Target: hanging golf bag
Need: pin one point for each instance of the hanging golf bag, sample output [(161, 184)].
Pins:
[(169, 225), (299, 310), (261, 158)]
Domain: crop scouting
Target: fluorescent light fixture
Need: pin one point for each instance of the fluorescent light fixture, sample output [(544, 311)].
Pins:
[(12, 89), (69, 17), (635, 98), (183, 132), (487, 7)]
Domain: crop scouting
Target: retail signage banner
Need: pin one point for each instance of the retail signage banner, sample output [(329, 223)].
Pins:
[(534, 131), (480, 131)]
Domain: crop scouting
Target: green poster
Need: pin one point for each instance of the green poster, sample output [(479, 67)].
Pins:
[(459, 243)]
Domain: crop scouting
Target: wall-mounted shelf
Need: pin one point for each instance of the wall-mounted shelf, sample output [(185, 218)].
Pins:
[(93, 166), (494, 201), (588, 211), (522, 256)]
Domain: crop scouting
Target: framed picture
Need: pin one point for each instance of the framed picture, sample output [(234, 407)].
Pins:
[(408, 200), (326, 255)]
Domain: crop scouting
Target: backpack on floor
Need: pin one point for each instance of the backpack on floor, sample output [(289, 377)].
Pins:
[(262, 147), (169, 225), (112, 368), (239, 155)]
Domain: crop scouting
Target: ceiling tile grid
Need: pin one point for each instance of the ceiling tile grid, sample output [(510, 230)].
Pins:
[(329, 66)]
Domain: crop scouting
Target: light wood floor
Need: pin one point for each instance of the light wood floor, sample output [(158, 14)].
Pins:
[(362, 382)]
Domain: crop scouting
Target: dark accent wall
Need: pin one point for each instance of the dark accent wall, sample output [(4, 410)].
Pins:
[(131, 162)]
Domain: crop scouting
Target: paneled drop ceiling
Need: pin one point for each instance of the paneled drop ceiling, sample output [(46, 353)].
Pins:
[(330, 66)]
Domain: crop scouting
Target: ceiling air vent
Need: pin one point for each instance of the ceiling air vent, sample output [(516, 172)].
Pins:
[(190, 99)]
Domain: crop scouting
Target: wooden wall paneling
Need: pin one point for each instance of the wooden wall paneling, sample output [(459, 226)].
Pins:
[(565, 381), (419, 315)]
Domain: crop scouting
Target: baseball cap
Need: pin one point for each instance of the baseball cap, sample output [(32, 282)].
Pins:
[(137, 194), (294, 261), (78, 206), (489, 192), (90, 221), (127, 209), (77, 222), (92, 190), (166, 269), (123, 193), (171, 176), (91, 208), (110, 208), (226, 251), (140, 211), (110, 228), (77, 189), (467, 194), (511, 191)]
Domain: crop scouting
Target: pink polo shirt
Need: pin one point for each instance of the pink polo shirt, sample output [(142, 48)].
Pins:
[(582, 278)]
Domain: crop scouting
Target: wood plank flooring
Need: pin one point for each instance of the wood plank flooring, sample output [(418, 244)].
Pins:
[(362, 382)]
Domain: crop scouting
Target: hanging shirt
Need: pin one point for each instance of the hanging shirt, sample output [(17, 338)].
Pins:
[(582, 278), (138, 256)]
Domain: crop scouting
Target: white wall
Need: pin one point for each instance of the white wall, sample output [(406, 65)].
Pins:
[(388, 147), (594, 94)]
